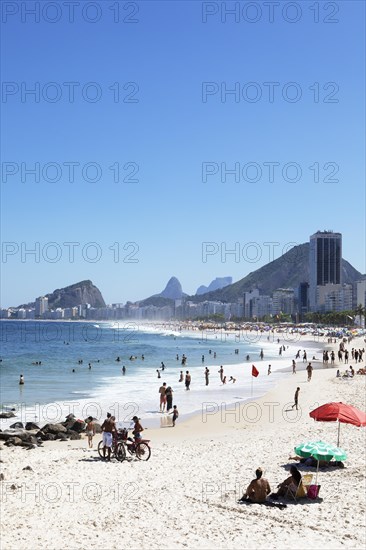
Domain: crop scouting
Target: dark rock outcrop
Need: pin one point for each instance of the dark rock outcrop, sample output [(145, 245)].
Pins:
[(31, 426), (17, 425), (7, 414), (54, 429)]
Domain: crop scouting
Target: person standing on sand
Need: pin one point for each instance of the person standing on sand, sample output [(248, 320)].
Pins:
[(293, 366), (90, 431), (304, 357), (296, 399), (188, 380), (309, 368), (261, 355), (162, 391), (269, 370), (108, 427)]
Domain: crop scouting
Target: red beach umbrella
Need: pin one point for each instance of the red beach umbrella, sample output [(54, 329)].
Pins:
[(341, 412)]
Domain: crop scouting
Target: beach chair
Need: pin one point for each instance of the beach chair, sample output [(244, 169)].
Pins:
[(306, 481), (294, 493)]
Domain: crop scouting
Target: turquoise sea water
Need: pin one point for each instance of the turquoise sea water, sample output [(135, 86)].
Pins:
[(59, 346)]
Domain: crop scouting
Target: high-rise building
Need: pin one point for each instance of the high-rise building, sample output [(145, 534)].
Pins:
[(325, 263), (41, 306)]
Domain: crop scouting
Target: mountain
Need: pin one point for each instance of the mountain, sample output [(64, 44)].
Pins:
[(74, 295), (216, 284), (287, 271), (172, 291)]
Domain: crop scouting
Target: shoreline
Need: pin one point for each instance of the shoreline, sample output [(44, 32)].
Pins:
[(197, 470)]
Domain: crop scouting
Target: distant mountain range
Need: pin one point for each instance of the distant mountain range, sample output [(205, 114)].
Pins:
[(287, 271), (216, 284)]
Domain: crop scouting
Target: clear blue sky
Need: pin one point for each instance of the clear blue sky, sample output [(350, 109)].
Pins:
[(169, 132)]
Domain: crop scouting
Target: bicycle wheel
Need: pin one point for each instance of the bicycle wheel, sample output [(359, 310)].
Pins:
[(100, 449), (143, 451), (120, 452)]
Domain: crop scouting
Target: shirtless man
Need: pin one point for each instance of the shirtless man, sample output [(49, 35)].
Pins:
[(257, 490), (162, 391), (108, 427), (296, 399)]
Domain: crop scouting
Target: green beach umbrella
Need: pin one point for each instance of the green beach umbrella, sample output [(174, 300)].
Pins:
[(320, 451)]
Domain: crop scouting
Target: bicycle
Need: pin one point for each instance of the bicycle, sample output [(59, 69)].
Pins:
[(118, 450), (140, 448)]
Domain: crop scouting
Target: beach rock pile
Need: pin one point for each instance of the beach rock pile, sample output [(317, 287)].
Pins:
[(32, 436), (21, 438)]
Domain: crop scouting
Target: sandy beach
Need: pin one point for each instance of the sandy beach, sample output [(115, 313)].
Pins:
[(186, 495)]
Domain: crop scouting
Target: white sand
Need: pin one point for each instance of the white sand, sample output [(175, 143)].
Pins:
[(185, 495)]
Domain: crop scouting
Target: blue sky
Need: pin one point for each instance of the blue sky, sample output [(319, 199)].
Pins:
[(168, 132)]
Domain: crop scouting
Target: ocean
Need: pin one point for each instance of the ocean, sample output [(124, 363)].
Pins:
[(49, 355)]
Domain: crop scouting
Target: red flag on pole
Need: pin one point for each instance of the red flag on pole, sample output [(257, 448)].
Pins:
[(255, 372)]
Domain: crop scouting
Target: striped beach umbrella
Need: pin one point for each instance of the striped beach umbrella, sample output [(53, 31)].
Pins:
[(320, 451)]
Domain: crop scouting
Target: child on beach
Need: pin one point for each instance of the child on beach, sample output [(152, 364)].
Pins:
[(175, 414), (90, 431)]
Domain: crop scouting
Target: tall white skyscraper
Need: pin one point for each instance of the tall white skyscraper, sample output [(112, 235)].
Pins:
[(325, 263)]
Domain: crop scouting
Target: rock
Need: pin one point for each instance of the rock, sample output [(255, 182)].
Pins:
[(73, 435), (78, 426), (54, 428), (61, 436), (31, 426), (7, 415), (16, 441), (98, 428), (13, 486), (29, 468), (46, 437), (17, 425)]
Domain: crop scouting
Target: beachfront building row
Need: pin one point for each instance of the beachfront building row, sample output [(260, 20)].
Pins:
[(252, 305)]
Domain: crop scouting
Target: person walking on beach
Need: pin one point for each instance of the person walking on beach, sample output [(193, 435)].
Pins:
[(188, 380), (90, 431), (108, 428), (280, 351), (304, 357), (162, 391), (175, 414), (269, 370), (309, 368), (293, 366), (207, 372), (296, 399), (261, 355)]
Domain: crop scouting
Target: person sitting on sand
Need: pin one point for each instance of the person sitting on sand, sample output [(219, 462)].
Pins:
[(292, 483), (257, 490)]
